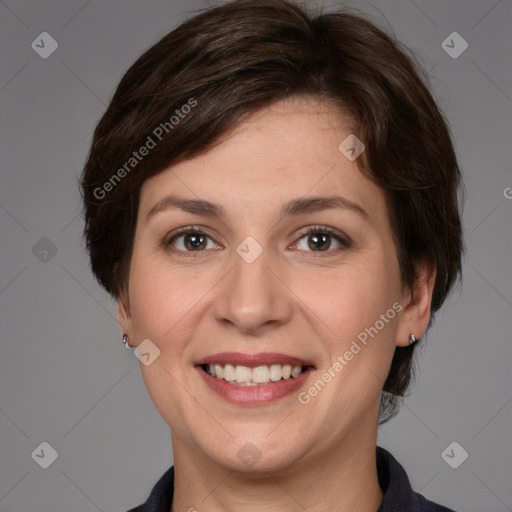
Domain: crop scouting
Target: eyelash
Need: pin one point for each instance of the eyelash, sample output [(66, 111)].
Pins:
[(344, 240)]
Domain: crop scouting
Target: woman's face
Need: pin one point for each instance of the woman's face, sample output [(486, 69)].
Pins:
[(256, 296)]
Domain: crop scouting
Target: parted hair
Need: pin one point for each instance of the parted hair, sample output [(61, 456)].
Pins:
[(196, 84)]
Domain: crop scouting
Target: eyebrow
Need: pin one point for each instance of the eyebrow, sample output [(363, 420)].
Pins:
[(299, 206)]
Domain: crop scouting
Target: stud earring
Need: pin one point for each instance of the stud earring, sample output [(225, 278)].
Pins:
[(412, 339)]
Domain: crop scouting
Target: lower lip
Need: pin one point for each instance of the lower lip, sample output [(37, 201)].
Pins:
[(253, 395)]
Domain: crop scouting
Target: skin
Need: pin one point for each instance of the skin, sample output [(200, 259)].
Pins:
[(292, 299)]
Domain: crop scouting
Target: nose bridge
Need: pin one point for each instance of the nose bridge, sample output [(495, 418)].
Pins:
[(252, 296)]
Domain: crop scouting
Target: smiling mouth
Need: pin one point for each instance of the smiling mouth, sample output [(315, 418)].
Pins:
[(239, 375)]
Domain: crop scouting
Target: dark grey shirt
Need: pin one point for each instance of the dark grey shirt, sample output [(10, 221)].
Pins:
[(398, 493)]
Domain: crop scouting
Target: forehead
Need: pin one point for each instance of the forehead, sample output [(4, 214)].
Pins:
[(287, 150)]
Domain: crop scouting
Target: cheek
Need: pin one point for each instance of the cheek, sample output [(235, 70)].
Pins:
[(161, 296), (357, 310), (160, 305), (353, 296)]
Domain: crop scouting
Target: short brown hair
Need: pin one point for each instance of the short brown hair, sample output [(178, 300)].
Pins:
[(232, 60)]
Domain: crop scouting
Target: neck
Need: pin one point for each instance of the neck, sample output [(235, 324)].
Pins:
[(341, 479)]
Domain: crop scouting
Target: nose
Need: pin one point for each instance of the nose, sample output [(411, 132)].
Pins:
[(253, 298)]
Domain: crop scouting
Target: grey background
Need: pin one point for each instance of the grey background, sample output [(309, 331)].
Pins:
[(65, 377)]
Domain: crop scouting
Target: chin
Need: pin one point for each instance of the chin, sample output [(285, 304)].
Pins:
[(255, 454), (249, 460)]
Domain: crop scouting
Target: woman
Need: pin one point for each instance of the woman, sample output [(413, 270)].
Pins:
[(271, 198)]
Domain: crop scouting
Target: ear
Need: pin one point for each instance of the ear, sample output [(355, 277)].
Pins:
[(123, 314), (416, 314)]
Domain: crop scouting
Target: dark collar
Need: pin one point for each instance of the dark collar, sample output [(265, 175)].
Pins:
[(398, 493)]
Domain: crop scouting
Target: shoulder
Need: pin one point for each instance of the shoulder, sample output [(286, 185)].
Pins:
[(430, 506), (160, 497), (398, 493)]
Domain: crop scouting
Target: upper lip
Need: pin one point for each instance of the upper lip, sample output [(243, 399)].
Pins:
[(253, 360)]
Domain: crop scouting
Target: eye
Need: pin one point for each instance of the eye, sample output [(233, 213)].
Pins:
[(320, 239), (317, 239), (190, 240)]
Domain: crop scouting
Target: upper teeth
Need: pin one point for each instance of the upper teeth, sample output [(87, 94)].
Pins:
[(245, 375)]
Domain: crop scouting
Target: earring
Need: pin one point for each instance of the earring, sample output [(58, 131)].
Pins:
[(412, 339), (126, 341)]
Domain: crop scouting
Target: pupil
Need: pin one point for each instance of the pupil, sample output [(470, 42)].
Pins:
[(320, 241), (195, 240)]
